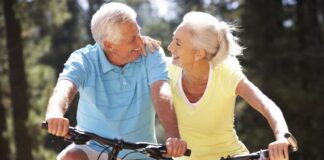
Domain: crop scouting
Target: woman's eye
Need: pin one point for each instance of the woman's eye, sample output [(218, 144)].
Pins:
[(178, 44)]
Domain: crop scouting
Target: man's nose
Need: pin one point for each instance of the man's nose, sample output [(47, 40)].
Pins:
[(169, 46)]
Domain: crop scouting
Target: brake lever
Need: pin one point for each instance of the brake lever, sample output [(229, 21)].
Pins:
[(78, 137), (156, 151), (74, 135)]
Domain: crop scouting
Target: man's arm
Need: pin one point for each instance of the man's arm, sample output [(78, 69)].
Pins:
[(63, 95), (162, 99)]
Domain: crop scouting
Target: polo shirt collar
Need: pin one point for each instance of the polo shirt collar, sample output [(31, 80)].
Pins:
[(104, 62)]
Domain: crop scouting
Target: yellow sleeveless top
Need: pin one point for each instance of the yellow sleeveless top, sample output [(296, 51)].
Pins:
[(208, 128)]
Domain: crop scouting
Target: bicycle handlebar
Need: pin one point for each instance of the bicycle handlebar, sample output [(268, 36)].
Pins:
[(263, 154), (151, 149)]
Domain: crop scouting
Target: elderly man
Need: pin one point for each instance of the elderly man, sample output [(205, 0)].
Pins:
[(120, 89)]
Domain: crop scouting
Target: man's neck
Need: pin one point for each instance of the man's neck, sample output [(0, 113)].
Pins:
[(113, 58)]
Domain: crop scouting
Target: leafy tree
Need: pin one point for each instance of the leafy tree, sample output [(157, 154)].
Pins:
[(35, 43), (4, 144), (18, 82), (284, 50), (284, 55), (308, 24)]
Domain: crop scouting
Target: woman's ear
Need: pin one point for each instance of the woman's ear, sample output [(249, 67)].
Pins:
[(200, 54)]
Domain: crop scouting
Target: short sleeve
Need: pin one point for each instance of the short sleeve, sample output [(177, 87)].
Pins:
[(156, 66), (232, 76), (174, 73), (74, 69)]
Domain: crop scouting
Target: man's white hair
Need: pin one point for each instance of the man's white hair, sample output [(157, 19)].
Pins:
[(105, 22), (212, 35)]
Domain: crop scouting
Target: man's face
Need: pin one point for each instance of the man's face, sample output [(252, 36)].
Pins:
[(128, 48)]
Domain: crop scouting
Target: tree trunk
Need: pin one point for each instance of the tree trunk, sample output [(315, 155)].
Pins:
[(18, 84)]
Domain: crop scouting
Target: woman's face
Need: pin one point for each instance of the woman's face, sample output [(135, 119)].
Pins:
[(181, 47)]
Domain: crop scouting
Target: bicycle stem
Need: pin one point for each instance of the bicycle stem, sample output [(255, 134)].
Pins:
[(115, 150)]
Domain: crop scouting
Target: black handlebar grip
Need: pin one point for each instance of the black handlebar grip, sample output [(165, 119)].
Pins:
[(188, 152), (292, 141), (44, 125)]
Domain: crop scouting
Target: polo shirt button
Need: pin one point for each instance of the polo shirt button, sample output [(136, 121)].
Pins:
[(124, 82)]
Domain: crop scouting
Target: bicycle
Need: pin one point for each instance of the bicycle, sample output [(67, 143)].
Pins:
[(152, 150), (263, 154)]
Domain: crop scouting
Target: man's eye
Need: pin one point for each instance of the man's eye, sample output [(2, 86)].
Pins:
[(178, 44)]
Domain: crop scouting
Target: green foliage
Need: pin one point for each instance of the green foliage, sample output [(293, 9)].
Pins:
[(287, 63), (153, 29), (39, 17), (276, 60)]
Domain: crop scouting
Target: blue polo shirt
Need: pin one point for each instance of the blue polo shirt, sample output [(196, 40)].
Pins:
[(115, 102)]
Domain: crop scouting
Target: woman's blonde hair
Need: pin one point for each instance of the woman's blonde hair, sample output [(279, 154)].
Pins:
[(212, 35)]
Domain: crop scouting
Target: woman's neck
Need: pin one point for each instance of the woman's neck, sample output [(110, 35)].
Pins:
[(198, 74), (195, 80)]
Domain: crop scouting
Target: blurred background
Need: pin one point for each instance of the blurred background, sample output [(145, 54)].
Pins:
[(284, 56)]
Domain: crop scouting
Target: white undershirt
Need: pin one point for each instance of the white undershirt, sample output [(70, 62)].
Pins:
[(183, 95)]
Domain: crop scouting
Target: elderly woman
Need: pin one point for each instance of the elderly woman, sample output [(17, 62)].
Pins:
[(206, 78)]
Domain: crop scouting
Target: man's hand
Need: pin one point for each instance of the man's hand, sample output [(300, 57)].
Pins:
[(175, 147), (58, 126), (150, 43)]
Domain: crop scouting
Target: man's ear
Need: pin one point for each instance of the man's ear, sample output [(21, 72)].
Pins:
[(107, 45), (200, 54)]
